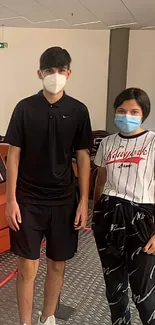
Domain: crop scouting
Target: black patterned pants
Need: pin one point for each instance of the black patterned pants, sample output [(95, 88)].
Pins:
[(121, 230)]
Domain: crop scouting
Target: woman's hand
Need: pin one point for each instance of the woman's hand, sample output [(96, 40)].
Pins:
[(150, 247)]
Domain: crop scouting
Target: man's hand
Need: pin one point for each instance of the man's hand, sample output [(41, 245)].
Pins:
[(150, 247), (81, 215), (13, 215)]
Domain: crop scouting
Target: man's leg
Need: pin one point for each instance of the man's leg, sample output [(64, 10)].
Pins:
[(61, 246), (53, 286), (26, 244), (27, 270)]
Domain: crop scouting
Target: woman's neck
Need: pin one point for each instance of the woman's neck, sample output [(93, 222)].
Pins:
[(138, 131)]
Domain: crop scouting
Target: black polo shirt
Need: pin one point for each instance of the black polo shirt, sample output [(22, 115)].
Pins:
[(47, 135)]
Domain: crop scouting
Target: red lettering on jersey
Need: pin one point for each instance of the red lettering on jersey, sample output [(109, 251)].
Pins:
[(118, 156), (134, 160)]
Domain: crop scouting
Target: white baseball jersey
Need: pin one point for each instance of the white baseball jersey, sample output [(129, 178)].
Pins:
[(130, 165)]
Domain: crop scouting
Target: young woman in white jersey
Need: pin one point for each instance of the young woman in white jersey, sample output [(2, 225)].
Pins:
[(124, 210)]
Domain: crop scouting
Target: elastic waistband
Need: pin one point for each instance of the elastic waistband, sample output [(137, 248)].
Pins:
[(116, 199)]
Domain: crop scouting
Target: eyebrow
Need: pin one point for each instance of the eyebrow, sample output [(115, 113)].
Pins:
[(136, 108)]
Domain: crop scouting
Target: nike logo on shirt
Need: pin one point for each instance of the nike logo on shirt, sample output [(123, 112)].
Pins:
[(65, 116)]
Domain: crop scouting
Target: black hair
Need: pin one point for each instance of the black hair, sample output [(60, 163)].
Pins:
[(140, 97), (55, 57)]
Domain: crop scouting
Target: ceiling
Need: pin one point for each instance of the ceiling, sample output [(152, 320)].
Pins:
[(79, 14)]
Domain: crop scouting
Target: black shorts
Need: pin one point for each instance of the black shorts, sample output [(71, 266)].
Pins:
[(56, 223)]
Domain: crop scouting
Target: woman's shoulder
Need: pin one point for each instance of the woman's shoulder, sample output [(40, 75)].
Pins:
[(151, 133), (110, 138)]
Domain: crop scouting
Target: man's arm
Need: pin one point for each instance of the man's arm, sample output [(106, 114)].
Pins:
[(14, 137), (12, 172), (83, 146), (83, 165), (12, 209), (100, 183)]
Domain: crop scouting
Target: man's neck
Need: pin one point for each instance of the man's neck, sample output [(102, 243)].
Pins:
[(52, 98)]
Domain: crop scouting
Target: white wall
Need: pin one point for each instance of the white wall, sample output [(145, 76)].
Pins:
[(19, 63), (141, 67)]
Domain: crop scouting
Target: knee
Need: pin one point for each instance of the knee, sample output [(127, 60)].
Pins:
[(116, 294), (27, 269), (56, 267)]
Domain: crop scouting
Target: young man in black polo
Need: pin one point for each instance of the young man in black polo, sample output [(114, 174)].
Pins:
[(41, 192)]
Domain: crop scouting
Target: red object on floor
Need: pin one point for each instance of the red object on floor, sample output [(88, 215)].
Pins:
[(8, 278), (13, 273), (4, 229)]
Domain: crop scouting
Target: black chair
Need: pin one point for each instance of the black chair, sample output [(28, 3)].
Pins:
[(98, 135), (2, 138)]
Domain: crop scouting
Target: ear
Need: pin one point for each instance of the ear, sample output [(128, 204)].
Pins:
[(69, 73), (39, 74)]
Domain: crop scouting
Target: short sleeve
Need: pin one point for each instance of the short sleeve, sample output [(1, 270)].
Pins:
[(83, 137), (14, 134), (100, 157)]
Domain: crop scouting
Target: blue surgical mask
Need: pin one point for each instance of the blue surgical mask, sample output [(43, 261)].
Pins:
[(127, 123)]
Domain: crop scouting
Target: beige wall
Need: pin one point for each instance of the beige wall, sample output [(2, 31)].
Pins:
[(19, 63), (141, 67)]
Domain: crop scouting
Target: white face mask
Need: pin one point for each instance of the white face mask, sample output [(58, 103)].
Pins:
[(54, 83)]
